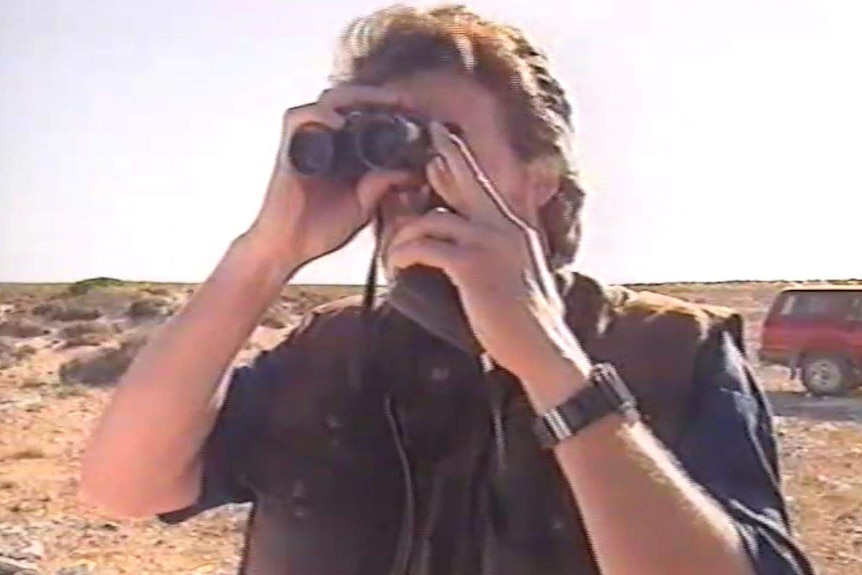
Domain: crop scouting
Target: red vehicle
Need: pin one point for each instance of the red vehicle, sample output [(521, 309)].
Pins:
[(817, 333)]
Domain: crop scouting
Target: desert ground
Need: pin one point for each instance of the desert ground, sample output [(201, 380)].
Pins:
[(63, 346)]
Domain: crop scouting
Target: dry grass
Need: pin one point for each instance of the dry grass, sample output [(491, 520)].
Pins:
[(44, 422)]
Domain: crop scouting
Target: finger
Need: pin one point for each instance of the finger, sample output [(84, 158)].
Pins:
[(347, 96), (443, 183), (430, 252), (313, 113), (374, 185), (474, 188), (442, 226)]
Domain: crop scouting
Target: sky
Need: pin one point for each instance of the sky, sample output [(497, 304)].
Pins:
[(719, 140)]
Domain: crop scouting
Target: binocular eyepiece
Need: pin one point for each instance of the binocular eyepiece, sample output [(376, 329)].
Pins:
[(368, 140)]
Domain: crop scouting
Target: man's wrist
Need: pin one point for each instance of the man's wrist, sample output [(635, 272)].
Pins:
[(268, 255), (556, 382), (254, 269)]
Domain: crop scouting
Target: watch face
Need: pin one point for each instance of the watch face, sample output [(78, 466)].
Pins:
[(607, 378)]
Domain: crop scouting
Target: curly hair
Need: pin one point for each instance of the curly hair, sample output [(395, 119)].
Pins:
[(400, 40)]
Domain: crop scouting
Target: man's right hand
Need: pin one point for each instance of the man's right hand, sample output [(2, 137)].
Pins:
[(145, 456), (304, 218)]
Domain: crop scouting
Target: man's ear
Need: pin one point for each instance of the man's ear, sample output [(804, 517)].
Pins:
[(543, 181)]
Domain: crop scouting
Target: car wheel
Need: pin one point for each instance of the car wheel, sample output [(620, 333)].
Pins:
[(827, 375)]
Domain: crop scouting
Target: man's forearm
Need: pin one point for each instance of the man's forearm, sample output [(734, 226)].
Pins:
[(166, 403), (642, 512)]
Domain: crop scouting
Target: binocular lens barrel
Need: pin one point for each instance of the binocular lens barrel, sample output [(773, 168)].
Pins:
[(367, 141), (312, 150), (381, 141)]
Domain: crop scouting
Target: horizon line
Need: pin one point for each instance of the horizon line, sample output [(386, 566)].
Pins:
[(359, 285)]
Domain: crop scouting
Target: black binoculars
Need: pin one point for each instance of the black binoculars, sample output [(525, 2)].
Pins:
[(368, 140)]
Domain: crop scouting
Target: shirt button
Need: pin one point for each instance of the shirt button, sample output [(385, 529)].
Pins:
[(441, 373), (299, 490), (558, 525)]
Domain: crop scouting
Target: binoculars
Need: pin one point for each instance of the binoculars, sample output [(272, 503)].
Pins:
[(368, 140)]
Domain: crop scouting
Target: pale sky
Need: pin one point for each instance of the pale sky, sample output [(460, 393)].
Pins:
[(720, 137)]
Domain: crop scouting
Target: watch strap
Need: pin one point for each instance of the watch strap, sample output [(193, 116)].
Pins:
[(605, 394)]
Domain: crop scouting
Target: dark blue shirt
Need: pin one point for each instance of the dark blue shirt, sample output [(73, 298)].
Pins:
[(727, 447)]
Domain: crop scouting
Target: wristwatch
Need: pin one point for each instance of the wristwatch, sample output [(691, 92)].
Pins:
[(605, 393)]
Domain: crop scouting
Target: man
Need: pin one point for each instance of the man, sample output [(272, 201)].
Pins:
[(432, 458)]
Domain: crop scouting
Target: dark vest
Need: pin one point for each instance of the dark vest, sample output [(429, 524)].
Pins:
[(404, 466)]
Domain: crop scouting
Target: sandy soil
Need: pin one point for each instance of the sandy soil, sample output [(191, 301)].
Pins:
[(48, 342)]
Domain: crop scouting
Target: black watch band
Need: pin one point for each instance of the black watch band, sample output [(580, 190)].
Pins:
[(605, 393)]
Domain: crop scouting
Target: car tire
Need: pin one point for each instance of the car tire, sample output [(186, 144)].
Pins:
[(827, 375)]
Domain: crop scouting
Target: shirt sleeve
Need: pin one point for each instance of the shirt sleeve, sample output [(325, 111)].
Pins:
[(728, 447), (234, 431)]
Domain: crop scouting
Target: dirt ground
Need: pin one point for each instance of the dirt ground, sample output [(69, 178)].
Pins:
[(56, 340)]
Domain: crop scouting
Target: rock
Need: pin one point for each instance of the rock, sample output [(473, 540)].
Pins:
[(6, 350), (23, 403), (79, 570), (16, 544), (15, 567), (35, 550)]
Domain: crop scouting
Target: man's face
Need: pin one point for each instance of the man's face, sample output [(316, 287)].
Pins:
[(451, 98)]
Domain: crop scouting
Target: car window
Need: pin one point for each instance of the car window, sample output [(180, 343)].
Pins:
[(856, 308), (788, 305), (816, 304)]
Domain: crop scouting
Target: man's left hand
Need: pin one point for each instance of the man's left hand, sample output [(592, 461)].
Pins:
[(495, 260)]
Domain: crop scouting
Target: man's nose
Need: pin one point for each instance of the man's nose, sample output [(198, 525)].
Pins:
[(410, 201)]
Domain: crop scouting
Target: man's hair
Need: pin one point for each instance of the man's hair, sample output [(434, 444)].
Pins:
[(398, 41)]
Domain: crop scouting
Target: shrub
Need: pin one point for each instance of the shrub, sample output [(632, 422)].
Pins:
[(305, 300), (85, 339), (22, 328), (48, 310), (157, 291), (27, 453), (85, 328), (271, 320), (148, 307), (6, 352), (103, 367), (58, 312), (23, 351), (32, 383), (77, 313), (84, 286)]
